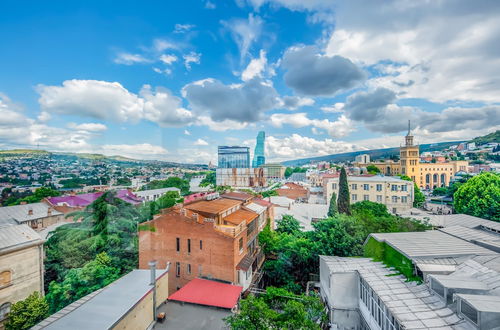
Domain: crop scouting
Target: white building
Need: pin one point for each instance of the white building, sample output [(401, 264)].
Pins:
[(153, 194), (364, 159)]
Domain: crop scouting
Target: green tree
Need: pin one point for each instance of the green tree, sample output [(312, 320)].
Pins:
[(269, 193), (480, 196), (173, 181), (418, 196), (440, 191), (288, 224), (209, 180), (79, 282), (375, 209), (27, 313), (343, 204), (278, 308), (372, 169), (332, 209)]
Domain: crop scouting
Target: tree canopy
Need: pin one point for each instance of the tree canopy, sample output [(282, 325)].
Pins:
[(292, 254), (173, 181), (372, 169), (26, 313), (278, 308), (332, 208), (479, 196), (343, 201)]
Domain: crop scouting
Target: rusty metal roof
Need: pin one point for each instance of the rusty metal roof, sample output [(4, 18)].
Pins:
[(241, 215), (215, 206)]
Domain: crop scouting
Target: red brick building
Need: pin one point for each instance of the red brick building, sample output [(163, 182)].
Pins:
[(214, 239)]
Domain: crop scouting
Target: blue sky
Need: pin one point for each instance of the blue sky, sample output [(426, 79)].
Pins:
[(173, 79)]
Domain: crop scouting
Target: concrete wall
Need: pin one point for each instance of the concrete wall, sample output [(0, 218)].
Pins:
[(141, 316)]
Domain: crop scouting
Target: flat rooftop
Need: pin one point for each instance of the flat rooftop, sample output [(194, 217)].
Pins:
[(430, 244), (106, 307), (215, 206), (208, 293)]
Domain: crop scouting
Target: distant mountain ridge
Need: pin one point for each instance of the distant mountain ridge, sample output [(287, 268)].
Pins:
[(28, 152), (374, 154)]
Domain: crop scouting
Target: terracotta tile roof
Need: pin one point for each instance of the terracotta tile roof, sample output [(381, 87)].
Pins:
[(262, 202), (241, 215), (292, 193), (215, 206)]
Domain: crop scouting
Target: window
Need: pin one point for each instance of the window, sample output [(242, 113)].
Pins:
[(200, 268), (5, 278), (189, 245), (189, 268), (201, 244), (366, 187), (334, 186), (240, 243), (404, 199), (354, 197), (354, 186), (404, 188), (394, 187), (366, 197), (379, 198), (468, 311), (178, 244), (4, 310), (394, 199), (379, 187), (177, 269)]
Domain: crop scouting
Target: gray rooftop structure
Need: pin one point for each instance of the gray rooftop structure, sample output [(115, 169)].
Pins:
[(27, 212), (413, 306), (105, 308), (14, 237), (191, 316), (478, 235), (430, 244)]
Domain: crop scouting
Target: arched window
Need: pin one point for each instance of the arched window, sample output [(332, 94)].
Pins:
[(4, 310), (5, 278), (435, 178), (443, 180), (427, 178)]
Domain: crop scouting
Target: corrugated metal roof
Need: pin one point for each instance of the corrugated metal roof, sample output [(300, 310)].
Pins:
[(210, 293), (414, 306), (17, 236), (21, 213), (256, 208), (482, 303), (470, 234), (430, 244)]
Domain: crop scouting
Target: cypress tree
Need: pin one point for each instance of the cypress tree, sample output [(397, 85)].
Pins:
[(343, 204), (332, 209)]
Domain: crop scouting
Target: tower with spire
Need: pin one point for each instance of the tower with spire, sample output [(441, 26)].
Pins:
[(409, 156)]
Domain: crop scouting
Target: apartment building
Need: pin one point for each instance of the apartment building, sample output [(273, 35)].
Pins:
[(395, 193), (35, 215), (212, 238)]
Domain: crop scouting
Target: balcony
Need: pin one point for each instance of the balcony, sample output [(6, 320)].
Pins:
[(232, 231)]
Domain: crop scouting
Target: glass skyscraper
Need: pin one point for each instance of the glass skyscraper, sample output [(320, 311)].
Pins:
[(258, 156), (234, 157)]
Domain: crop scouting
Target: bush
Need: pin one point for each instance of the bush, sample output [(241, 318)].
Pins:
[(26, 313)]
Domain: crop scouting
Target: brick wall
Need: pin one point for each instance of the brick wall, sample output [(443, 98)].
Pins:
[(218, 256)]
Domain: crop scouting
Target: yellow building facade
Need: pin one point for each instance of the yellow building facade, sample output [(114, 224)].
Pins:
[(425, 175)]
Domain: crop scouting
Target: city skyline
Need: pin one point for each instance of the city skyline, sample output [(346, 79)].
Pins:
[(174, 81)]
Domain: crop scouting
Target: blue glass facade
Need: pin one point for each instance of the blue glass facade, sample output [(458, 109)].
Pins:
[(234, 157), (258, 156)]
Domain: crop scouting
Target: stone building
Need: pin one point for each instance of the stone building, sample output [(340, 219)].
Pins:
[(395, 193), (425, 175), (35, 215), (21, 265)]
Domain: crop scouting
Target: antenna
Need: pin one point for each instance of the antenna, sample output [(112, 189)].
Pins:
[(408, 127)]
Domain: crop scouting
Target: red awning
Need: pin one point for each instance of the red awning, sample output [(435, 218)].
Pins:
[(208, 293)]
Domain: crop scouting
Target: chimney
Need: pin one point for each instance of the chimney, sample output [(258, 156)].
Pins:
[(30, 211), (23, 203), (152, 267), (49, 211)]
